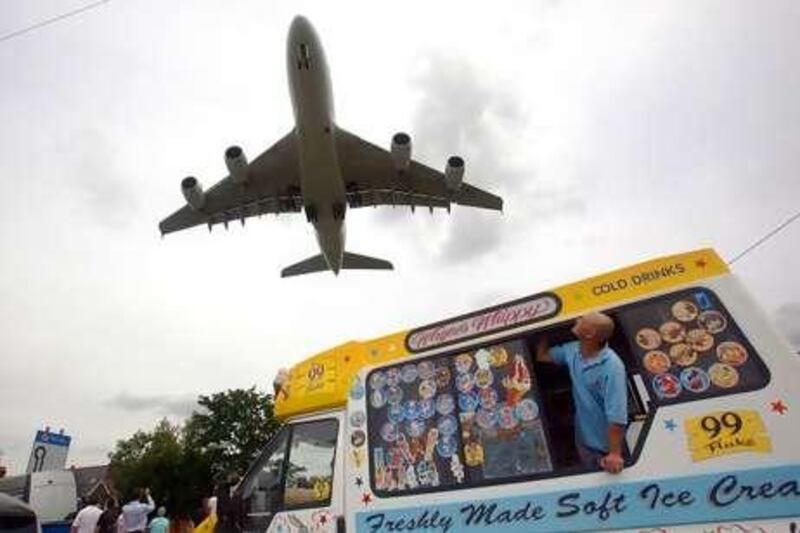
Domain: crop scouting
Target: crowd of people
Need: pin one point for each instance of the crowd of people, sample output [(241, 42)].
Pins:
[(109, 517)]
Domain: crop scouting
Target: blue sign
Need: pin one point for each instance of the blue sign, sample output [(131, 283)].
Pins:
[(54, 439), (726, 496)]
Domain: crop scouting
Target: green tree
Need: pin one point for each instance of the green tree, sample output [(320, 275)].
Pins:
[(232, 429), (158, 459), (181, 464)]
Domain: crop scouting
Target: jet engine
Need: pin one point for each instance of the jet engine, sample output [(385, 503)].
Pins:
[(454, 173), (236, 162), (193, 192), (401, 151)]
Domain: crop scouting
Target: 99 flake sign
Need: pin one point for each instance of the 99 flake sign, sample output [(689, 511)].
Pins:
[(726, 432)]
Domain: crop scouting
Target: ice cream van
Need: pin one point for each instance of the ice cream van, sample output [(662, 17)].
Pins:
[(454, 426)]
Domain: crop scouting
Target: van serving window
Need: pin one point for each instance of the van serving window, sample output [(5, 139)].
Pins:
[(490, 414), (456, 420), (689, 347)]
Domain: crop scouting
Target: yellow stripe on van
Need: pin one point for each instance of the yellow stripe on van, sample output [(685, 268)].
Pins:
[(324, 381), (639, 280)]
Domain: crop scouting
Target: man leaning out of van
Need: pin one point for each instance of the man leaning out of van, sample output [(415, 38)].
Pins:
[(599, 390)]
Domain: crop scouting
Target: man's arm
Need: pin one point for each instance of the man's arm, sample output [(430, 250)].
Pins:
[(543, 351), (616, 409), (150, 505), (613, 461)]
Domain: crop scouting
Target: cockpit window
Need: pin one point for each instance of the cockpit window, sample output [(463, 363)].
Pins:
[(303, 56)]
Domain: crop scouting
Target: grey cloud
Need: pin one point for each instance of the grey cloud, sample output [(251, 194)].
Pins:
[(178, 405), (464, 111), (788, 319), (106, 193), (487, 299)]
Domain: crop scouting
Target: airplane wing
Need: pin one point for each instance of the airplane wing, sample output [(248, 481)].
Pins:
[(371, 179), (272, 186)]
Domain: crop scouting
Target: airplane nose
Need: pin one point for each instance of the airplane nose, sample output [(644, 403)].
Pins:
[(300, 24)]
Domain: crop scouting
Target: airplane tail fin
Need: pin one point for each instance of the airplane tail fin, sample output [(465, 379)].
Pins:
[(353, 261), (314, 263), (350, 261)]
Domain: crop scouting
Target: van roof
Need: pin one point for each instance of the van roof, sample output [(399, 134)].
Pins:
[(325, 380)]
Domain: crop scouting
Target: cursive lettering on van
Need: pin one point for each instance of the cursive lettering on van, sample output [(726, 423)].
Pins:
[(429, 521), (604, 507), (728, 491), (525, 311), (488, 514), (656, 498)]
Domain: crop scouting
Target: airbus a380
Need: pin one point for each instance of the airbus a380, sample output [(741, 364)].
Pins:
[(322, 169)]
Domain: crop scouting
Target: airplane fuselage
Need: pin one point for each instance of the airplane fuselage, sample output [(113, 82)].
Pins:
[(320, 176)]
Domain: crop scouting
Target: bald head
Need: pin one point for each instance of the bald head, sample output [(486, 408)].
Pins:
[(594, 326)]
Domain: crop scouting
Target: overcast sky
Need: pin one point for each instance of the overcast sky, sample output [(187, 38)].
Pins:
[(615, 131)]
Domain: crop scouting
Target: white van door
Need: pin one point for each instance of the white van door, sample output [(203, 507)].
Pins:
[(293, 486)]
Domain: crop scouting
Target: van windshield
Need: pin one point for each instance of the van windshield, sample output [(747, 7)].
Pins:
[(294, 471), (260, 490)]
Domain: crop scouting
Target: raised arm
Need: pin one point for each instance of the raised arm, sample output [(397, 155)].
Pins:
[(151, 505), (543, 351)]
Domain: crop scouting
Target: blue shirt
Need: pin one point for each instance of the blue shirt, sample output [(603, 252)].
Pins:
[(159, 525), (598, 391)]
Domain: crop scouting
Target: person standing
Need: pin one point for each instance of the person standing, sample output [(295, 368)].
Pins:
[(135, 512), (86, 519), (108, 520), (599, 390), (159, 524)]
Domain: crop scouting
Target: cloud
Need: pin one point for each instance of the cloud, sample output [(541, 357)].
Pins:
[(104, 192), (464, 110), (178, 405), (788, 319)]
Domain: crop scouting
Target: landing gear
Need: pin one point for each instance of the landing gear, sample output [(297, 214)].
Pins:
[(338, 211), (311, 213)]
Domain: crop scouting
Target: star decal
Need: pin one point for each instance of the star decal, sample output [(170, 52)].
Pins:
[(700, 263), (366, 498), (359, 482), (323, 519), (670, 425), (778, 407)]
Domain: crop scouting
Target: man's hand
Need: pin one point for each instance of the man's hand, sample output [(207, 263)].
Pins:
[(612, 463)]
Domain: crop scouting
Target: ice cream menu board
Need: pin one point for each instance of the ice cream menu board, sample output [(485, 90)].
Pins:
[(460, 418), (689, 347)]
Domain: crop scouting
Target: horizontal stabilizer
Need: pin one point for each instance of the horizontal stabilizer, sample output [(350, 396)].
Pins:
[(352, 261), (315, 263)]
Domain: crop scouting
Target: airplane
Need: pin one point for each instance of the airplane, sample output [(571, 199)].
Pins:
[(322, 169)]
